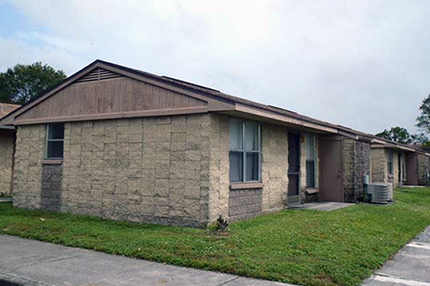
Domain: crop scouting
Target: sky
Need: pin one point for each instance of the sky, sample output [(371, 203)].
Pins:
[(361, 64)]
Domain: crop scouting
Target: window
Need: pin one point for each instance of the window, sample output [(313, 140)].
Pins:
[(310, 161), (54, 141), (390, 156), (244, 151)]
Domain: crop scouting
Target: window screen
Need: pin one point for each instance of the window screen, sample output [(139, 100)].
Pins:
[(244, 151), (310, 161), (390, 156), (55, 141)]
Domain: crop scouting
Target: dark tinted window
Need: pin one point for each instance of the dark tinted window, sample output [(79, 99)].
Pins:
[(55, 141)]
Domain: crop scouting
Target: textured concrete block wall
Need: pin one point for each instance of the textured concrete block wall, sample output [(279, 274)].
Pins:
[(245, 203), (52, 183), (423, 169), (356, 165), (349, 169), (27, 173), (379, 165), (6, 161), (274, 167), (219, 167), (143, 170)]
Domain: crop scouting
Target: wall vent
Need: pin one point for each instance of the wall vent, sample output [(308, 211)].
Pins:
[(98, 74)]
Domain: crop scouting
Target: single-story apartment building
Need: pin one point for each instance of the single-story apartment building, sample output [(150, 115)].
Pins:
[(399, 164), (7, 142), (124, 144)]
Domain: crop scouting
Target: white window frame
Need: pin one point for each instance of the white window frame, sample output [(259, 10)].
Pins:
[(244, 152), (52, 140)]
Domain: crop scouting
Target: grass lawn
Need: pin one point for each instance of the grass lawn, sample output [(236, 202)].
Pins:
[(297, 246)]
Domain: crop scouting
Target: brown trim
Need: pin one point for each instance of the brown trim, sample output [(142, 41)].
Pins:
[(239, 186), (348, 135), (116, 115), (284, 118), (52, 162)]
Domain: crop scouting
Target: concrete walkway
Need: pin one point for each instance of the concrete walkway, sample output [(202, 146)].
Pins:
[(31, 263), (5, 200), (411, 266), (321, 206)]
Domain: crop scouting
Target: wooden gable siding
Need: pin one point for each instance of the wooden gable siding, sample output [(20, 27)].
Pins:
[(93, 95)]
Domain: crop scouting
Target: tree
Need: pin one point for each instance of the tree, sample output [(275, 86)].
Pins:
[(423, 121), (24, 82), (401, 135), (396, 134)]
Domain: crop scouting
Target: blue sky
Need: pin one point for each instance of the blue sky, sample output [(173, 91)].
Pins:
[(362, 64)]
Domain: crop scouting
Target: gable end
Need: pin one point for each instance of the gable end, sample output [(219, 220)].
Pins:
[(98, 74), (104, 94)]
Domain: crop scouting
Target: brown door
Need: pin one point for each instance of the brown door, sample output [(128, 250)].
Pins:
[(411, 169), (331, 176), (293, 167)]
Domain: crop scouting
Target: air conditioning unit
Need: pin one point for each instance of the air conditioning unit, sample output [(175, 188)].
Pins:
[(381, 193)]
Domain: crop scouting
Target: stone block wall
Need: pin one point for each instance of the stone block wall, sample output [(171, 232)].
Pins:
[(379, 165), (143, 170), (7, 142), (52, 179), (245, 203), (219, 166), (27, 173), (356, 156), (423, 169), (274, 167)]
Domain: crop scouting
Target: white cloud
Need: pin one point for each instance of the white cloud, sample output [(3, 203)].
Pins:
[(362, 64)]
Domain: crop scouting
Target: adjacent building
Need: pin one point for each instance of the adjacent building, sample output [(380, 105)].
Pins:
[(399, 164), (7, 142)]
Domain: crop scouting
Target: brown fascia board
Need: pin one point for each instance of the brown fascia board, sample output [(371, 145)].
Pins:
[(393, 145)]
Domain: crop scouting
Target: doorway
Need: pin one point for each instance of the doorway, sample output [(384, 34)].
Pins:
[(331, 174), (411, 169), (400, 167), (293, 168)]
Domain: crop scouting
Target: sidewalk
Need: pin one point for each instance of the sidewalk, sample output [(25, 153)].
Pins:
[(30, 263), (411, 266)]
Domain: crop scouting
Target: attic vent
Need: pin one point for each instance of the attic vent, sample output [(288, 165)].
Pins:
[(98, 74)]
